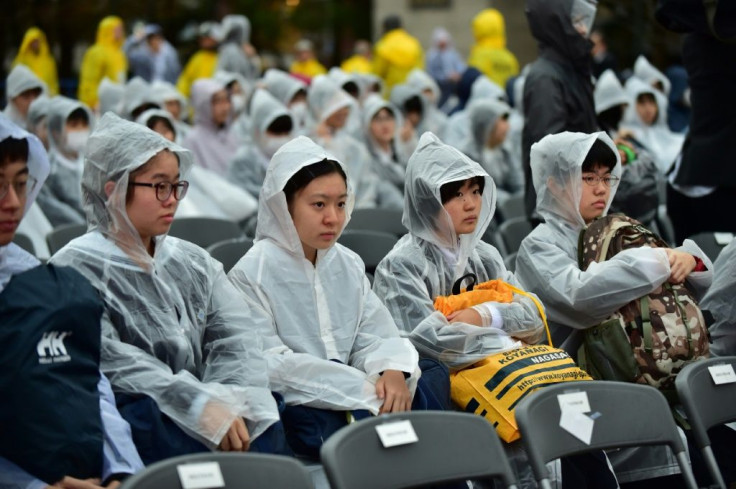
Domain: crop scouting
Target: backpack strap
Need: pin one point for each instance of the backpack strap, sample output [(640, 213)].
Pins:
[(646, 325), (581, 243), (683, 312)]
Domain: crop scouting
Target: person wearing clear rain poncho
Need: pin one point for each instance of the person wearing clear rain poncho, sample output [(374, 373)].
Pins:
[(442, 247), (272, 126), (291, 92), (575, 175), (22, 88), (179, 345), (333, 346), (330, 107), (236, 54), (69, 123), (381, 122), (24, 171)]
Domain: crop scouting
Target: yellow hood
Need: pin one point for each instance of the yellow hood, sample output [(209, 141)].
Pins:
[(400, 49), (106, 32), (32, 34), (489, 28)]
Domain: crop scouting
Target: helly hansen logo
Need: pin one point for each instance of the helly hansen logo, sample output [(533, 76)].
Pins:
[(51, 348)]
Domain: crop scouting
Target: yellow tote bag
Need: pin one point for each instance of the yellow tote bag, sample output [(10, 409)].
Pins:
[(494, 386)]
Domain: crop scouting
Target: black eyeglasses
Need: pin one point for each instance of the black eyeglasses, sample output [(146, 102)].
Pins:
[(21, 187), (164, 189)]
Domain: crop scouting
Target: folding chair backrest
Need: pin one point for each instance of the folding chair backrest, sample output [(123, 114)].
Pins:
[(513, 231), (628, 415), (371, 246), (386, 220), (512, 207), (451, 447), (707, 242), (707, 404), (24, 242), (239, 471), (61, 235), (230, 251), (204, 231)]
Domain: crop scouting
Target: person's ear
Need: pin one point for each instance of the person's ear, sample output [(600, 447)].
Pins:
[(109, 187)]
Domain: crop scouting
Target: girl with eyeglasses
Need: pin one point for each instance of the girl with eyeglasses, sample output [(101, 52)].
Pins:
[(178, 343)]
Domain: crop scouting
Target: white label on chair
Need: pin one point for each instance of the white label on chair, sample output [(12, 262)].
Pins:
[(578, 424), (396, 433), (723, 238), (205, 475), (722, 374), (574, 402)]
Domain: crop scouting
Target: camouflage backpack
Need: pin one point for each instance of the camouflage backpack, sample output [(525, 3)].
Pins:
[(650, 339)]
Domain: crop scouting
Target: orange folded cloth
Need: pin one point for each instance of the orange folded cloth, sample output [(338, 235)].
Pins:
[(491, 291)]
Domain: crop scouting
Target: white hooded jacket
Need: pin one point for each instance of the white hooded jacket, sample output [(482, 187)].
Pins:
[(320, 314), (426, 263), (174, 328)]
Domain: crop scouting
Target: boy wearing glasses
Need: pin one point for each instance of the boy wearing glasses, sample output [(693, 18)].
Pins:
[(51, 319), (178, 342), (575, 176)]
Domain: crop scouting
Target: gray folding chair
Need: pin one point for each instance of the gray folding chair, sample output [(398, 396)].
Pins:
[(513, 231), (371, 246), (24, 242), (61, 235), (707, 404), (664, 225), (510, 262), (512, 207), (630, 415), (707, 242), (451, 446), (204, 231), (239, 471), (386, 220), (228, 252)]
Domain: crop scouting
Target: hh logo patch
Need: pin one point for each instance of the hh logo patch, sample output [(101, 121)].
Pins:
[(51, 348)]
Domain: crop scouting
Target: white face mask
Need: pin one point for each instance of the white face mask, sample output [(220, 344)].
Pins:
[(76, 141), (583, 16), (238, 102), (271, 144), (299, 111)]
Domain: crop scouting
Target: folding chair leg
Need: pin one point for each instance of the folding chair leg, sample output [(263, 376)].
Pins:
[(687, 471), (715, 472)]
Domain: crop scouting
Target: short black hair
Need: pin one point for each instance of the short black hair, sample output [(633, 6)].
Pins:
[(450, 189), (78, 115), (352, 88), (152, 121), (600, 154), (142, 108), (281, 125), (302, 178), (610, 118), (391, 22), (414, 104), (12, 149)]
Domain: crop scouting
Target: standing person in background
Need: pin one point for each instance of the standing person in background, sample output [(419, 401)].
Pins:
[(306, 64), (104, 59), (361, 60), (202, 64), (558, 90), (444, 64), (489, 54), (396, 54), (603, 59), (151, 56), (34, 53), (237, 54)]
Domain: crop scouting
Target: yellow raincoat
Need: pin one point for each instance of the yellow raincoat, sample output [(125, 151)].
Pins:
[(202, 64), (42, 64), (309, 68), (489, 54), (104, 59), (396, 54), (357, 64)]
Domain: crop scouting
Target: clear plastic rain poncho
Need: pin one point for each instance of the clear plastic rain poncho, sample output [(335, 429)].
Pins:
[(248, 168), (110, 96), (547, 262), (174, 328), (320, 313), (285, 87), (608, 92), (434, 120), (391, 165), (136, 94), (353, 126), (231, 56), (163, 92), (458, 124), (13, 259), (241, 124), (720, 302), (663, 144), (427, 262), (498, 162), (20, 79), (209, 194), (213, 147), (645, 71), (61, 197), (325, 98)]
